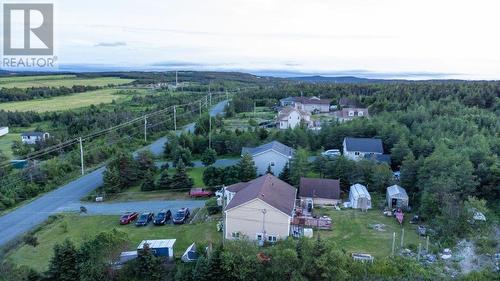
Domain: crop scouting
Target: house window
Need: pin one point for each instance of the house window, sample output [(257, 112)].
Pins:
[(271, 163), (235, 235), (356, 153), (351, 113), (259, 236), (360, 113), (272, 238)]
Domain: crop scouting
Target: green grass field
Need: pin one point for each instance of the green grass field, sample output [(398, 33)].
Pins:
[(351, 232), (6, 143), (84, 227), (65, 102), (59, 81)]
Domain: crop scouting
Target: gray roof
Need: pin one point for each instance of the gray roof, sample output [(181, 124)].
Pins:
[(364, 145), (319, 188), (383, 158), (269, 189), (360, 191), (396, 191), (274, 145), (37, 134)]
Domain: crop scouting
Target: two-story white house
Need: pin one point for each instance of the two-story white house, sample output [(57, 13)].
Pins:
[(259, 210), (357, 148), (290, 117), (307, 104), (34, 137), (273, 154)]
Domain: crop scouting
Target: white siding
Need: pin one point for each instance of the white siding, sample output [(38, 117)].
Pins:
[(4, 131), (293, 119), (263, 160)]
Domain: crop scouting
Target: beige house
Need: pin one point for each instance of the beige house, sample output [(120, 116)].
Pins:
[(259, 210), (290, 117)]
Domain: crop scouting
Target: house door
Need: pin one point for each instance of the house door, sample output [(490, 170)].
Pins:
[(394, 202)]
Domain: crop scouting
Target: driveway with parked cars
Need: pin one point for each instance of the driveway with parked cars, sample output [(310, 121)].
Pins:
[(119, 208)]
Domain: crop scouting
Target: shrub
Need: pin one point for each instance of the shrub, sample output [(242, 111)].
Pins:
[(212, 207)]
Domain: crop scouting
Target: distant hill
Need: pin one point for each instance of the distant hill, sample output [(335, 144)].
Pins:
[(338, 79)]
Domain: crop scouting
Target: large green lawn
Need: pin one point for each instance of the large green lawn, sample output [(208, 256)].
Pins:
[(59, 81), (66, 102), (84, 227), (6, 143), (352, 233)]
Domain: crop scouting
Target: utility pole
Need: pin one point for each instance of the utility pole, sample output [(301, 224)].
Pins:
[(175, 119), (419, 251), (227, 95), (200, 107), (210, 96), (264, 211), (176, 81), (223, 214), (393, 242), (145, 129), (81, 155), (254, 108), (427, 245), (209, 130), (402, 237)]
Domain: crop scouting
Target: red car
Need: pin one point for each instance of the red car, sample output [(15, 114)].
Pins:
[(200, 192), (128, 217)]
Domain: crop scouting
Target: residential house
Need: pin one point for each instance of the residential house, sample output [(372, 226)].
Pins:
[(273, 154), (34, 137), (307, 104), (349, 113), (290, 117), (359, 197), (357, 148), (4, 131), (320, 191), (396, 197), (260, 210)]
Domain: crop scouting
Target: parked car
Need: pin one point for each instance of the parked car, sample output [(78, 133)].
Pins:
[(181, 216), (200, 192), (144, 219), (128, 217), (331, 153), (162, 217)]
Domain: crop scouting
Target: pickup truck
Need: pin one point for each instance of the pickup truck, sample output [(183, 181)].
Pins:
[(200, 192)]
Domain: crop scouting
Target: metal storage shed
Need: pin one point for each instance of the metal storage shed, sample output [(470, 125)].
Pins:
[(160, 248), (359, 197), (396, 197)]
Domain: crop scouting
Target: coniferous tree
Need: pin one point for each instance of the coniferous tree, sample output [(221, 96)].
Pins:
[(165, 181), (269, 170), (148, 183), (285, 173), (181, 179), (64, 264), (247, 169), (209, 157)]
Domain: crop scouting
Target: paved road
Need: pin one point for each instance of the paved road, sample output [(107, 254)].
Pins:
[(24, 218), (138, 206)]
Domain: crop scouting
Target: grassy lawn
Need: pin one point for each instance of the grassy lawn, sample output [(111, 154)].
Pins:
[(84, 227), (6, 143), (59, 81), (351, 231), (65, 102), (240, 121), (197, 175)]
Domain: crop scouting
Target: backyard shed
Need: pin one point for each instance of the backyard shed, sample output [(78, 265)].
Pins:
[(396, 197), (160, 248), (359, 197), (190, 255)]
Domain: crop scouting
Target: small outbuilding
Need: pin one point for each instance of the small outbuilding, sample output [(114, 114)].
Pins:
[(190, 255), (320, 191), (359, 197), (396, 197), (4, 131), (160, 248)]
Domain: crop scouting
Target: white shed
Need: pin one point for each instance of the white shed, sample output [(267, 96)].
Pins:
[(4, 131), (396, 197), (359, 197)]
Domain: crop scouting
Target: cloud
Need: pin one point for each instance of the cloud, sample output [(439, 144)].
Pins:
[(110, 44)]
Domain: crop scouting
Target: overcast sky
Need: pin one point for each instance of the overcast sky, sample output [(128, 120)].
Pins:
[(387, 38)]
